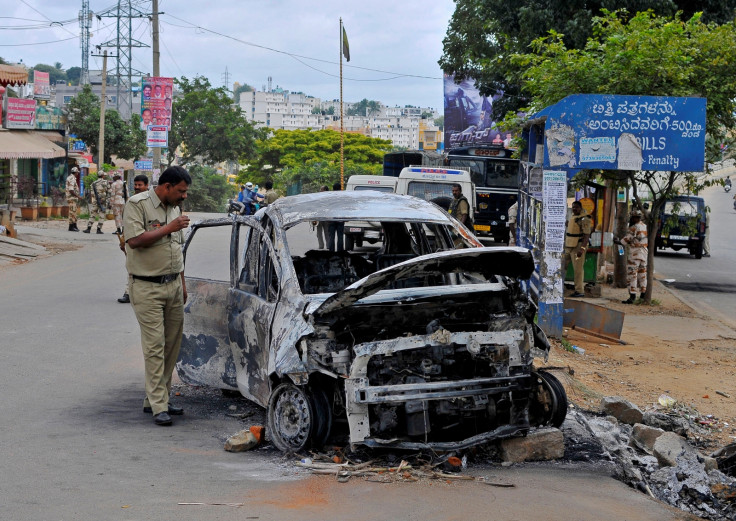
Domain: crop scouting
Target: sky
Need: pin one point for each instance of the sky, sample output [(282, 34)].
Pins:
[(400, 40)]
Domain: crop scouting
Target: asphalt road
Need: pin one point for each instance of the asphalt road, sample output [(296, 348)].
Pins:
[(75, 444), (708, 282)]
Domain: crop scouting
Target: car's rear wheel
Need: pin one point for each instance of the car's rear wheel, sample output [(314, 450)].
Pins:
[(550, 401), (349, 242), (291, 418), (698, 250)]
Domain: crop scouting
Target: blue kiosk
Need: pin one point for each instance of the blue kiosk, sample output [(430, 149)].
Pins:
[(594, 132)]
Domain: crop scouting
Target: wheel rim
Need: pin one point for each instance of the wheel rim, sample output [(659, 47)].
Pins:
[(291, 417)]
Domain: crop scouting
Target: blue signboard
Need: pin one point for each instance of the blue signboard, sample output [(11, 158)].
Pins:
[(608, 132), (143, 165)]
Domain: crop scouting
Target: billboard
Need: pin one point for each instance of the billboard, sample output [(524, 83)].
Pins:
[(468, 116), (157, 136), (50, 118), (616, 132), (41, 85), (156, 101), (21, 113)]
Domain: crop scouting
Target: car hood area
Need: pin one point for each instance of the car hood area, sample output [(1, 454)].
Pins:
[(512, 262)]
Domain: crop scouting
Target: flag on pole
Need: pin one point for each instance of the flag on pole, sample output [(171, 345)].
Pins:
[(345, 45)]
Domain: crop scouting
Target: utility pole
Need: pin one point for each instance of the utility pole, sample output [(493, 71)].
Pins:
[(103, 103), (156, 73)]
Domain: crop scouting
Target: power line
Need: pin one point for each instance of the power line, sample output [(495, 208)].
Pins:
[(47, 18), (297, 56), (37, 43)]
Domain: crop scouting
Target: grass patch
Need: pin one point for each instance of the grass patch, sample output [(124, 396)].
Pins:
[(566, 345)]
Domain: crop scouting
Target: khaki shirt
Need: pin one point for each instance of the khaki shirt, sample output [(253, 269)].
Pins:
[(144, 212), (118, 192), (577, 226), (72, 190)]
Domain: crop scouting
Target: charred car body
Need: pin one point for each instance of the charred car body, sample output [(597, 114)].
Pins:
[(425, 341)]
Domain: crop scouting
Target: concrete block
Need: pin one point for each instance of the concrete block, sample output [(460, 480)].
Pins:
[(240, 442), (644, 437), (667, 447), (621, 409), (539, 445)]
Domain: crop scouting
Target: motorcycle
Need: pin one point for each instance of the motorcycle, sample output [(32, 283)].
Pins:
[(727, 188), (235, 208)]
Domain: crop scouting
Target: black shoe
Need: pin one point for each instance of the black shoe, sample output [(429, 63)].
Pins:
[(173, 410), (632, 298), (73, 228), (162, 418), (99, 230), (577, 294), (87, 230), (125, 299)]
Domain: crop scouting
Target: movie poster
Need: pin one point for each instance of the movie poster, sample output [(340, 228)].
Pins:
[(468, 116), (156, 100)]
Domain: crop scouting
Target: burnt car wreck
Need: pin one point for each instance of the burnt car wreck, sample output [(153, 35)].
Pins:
[(425, 340)]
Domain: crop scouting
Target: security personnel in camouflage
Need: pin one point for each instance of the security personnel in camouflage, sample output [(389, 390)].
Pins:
[(118, 198), (98, 202), (72, 198), (636, 263)]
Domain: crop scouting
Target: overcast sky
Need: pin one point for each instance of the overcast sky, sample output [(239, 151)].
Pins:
[(397, 37)]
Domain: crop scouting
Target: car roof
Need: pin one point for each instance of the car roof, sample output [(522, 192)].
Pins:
[(362, 205)]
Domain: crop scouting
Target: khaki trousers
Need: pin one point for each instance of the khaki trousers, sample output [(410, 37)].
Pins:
[(159, 309), (73, 209), (578, 267)]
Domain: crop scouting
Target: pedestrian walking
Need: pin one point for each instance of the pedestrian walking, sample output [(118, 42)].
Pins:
[(577, 236), (72, 198), (98, 202), (636, 263), (706, 239), (118, 197), (153, 225), (140, 184)]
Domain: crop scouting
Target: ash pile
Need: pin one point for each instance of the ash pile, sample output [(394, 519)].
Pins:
[(657, 452)]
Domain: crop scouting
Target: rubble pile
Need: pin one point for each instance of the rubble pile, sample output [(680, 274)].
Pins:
[(656, 452)]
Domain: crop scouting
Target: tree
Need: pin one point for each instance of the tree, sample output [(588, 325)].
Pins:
[(313, 157), (440, 122), (484, 34), (209, 191), (649, 55), (364, 108), (122, 139), (73, 74), (208, 126)]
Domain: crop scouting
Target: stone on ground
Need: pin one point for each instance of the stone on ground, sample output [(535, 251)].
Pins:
[(621, 409), (539, 445), (240, 442)]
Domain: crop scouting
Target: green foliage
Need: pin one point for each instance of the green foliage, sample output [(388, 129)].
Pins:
[(364, 108), (313, 157), (88, 180), (209, 191), (484, 34), (440, 122), (73, 74), (242, 88), (208, 126), (55, 74), (123, 139)]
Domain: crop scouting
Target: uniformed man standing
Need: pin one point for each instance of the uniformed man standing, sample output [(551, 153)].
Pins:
[(153, 225), (459, 207), (636, 263), (99, 202), (72, 198), (118, 198), (577, 236), (513, 214)]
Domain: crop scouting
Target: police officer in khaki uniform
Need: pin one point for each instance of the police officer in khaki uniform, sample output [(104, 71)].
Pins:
[(577, 236), (153, 227)]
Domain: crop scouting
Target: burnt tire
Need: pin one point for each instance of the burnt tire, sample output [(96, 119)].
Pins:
[(291, 418), (550, 406), (697, 251)]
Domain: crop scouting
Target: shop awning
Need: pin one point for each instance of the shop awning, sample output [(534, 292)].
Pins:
[(13, 75), (24, 144)]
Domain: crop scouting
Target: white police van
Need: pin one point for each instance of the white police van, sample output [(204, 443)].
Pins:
[(434, 184)]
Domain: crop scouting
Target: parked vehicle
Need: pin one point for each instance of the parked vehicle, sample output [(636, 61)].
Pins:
[(356, 232), (414, 344), (681, 224), (434, 184)]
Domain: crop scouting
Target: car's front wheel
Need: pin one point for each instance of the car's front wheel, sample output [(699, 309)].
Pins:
[(291, 418)]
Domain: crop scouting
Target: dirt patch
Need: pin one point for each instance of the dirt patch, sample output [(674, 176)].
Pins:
[(671, 350)]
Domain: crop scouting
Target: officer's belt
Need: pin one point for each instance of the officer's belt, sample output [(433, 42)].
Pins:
[(574, 234), (162, 279)]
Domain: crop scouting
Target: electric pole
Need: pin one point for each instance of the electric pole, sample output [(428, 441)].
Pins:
[(156, 73), (103, 103)]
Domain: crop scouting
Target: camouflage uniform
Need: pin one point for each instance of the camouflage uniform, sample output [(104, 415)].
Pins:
[(102, 188), (118, 203), (636, 264), (72, 199)]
